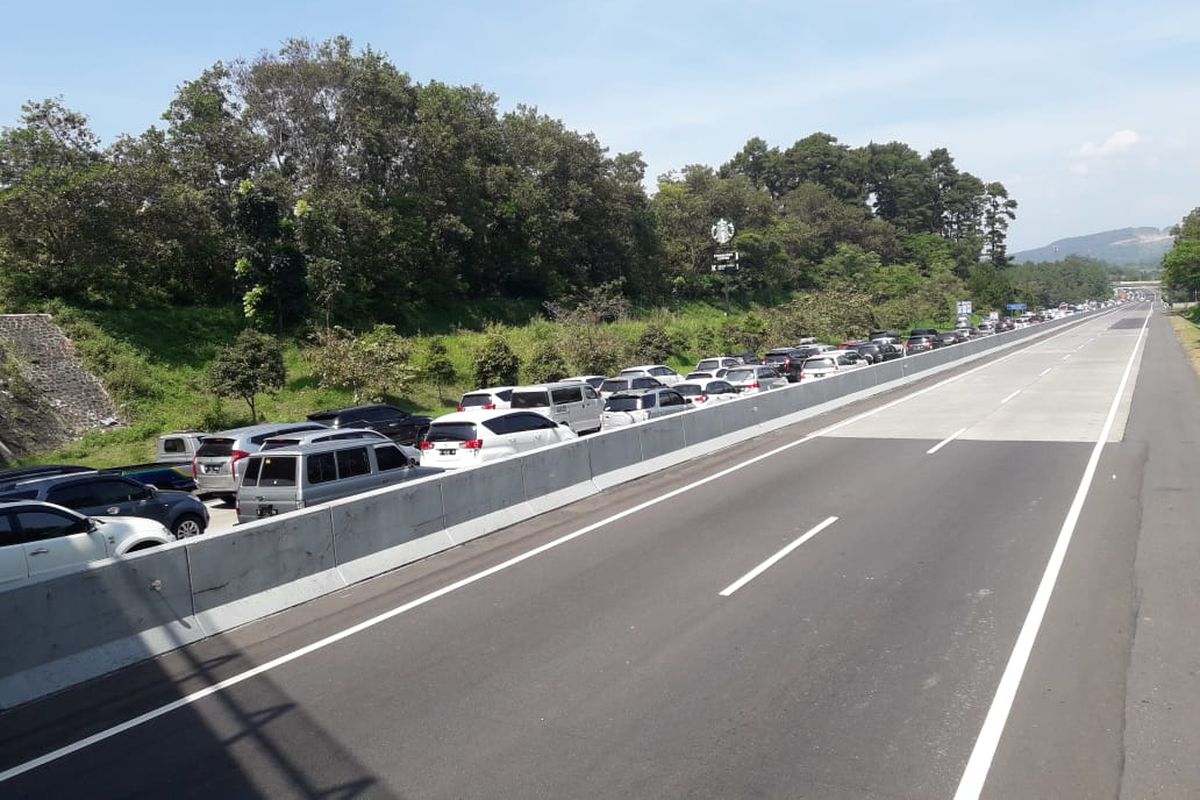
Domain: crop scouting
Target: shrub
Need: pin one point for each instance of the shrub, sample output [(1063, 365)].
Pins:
[(367, 365), (437, 367), (495, 362), (546, 364), (654, 345)]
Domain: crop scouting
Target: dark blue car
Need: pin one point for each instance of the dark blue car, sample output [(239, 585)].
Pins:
[(104, 494)]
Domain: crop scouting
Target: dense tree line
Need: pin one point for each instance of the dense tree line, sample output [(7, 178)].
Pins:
[(1181, 266), (322, 184)]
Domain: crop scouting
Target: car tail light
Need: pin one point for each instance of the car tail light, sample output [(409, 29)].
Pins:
[(195, 467), (699, 398), (489, 406), (473, 444), (426, 445), (236, 456), (460, 408), (752, 385)]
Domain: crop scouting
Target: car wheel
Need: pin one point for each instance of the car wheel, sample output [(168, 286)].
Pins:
[(187, 526), (137, 548)]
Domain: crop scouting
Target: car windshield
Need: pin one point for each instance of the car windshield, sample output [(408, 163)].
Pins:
[(622, 403), (614, 385), (451, 432)]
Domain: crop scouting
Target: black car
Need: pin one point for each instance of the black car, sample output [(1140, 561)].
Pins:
[(787, 361), (745, 358), (100, 494), (392, 422), (921, 343), (878, 350), (11, 477)]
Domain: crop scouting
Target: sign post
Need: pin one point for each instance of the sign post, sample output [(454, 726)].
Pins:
[(722, 233)]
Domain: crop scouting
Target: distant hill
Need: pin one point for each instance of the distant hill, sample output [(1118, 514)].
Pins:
[(1126, 247)]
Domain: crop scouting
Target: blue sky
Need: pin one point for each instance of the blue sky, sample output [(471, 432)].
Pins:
[(1089, 112)]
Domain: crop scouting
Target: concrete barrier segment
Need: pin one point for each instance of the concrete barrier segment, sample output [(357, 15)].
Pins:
[(261, 567), (60, 630)]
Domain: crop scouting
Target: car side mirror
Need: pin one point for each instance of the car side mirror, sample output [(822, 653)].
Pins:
[(565, 424)]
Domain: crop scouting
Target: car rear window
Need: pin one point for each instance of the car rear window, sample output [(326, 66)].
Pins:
[(277, 471), (688, 389), (614, 385), (537, 399), (818, 363), (628, 403), (475, 400), (451, 432), (709, 363), (215, 448), (738, 375)]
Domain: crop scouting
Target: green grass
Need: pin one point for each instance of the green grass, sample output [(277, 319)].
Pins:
[(153, 363)]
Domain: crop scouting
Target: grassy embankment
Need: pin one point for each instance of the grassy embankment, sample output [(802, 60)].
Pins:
[(1187, 328), (153, 363)]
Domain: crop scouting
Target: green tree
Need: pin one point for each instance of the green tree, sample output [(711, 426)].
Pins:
[(654, 345), (998, 211), (437, 368), (495, 363), (251, 365)]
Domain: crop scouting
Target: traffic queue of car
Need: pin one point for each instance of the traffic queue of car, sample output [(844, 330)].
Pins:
[(54, 517)]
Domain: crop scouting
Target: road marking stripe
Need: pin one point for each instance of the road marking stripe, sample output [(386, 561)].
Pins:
[(1068, 355), (945, 441), (980, 762), (320, 644), (770, 562), (1011, 396), (1043, 373)]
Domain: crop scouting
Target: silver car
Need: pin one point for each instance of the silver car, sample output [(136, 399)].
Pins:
[(215, 467), (639, 405)]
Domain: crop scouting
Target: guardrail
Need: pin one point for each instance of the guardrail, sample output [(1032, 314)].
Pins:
[(61, 630)]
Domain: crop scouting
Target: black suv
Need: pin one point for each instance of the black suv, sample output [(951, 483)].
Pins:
[(101, 494), (787, 361), (397, 425)]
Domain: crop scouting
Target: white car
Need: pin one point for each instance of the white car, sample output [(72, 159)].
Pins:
[(827, 364), (755, 378), (625, 383), (703, 375), (593, 381), (639, 405), (665, 375), (495, 397), (705, 391), (467, 438), (37, 538), (714, 364)]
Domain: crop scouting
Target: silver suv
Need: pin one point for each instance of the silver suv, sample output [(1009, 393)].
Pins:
[(216, 463)]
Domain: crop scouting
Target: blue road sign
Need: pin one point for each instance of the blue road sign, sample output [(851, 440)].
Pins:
[(1016, 306)]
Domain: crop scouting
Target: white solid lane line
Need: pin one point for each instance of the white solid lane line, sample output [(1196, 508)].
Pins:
[(980, 762), (1068, 355), (1044, 372), (1010, 397), (320, 644), (770, 562), (945, 441)]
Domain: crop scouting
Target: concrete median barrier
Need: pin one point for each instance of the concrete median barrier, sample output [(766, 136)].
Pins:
[(614, 456), (704, 424), (262, 567), (557, 476), (483, 499), (58, 631), (388, 528)]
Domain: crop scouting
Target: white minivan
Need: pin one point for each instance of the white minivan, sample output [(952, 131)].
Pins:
[(468, 438), (577, 405)]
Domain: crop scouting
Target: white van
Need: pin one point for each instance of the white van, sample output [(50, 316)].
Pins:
[(577, 405)]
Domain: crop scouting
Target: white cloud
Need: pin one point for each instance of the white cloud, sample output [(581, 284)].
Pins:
[(1118, 142)]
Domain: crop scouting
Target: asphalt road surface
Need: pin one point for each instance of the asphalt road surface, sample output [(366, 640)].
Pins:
[(830, 619)]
